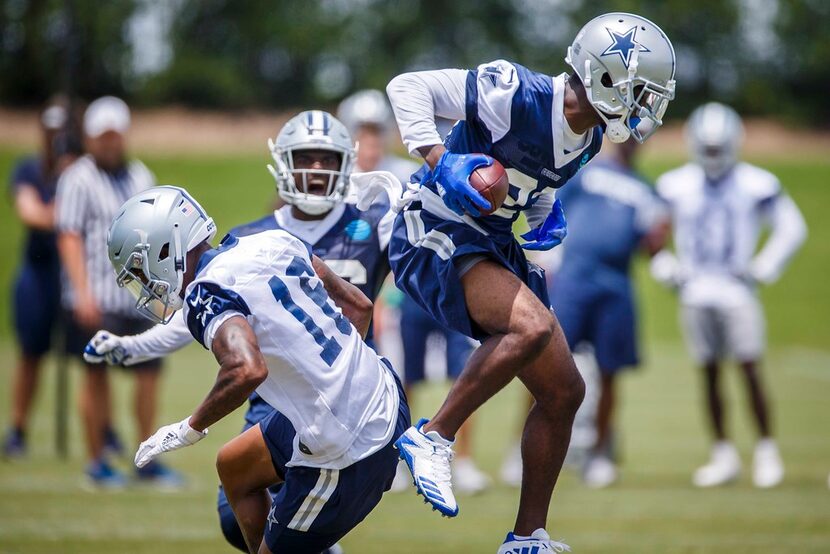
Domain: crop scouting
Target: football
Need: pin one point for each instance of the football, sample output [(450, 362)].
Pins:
[(492, 183)]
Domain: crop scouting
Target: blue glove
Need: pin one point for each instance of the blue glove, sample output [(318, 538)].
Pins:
[(550, 233), (452, 176)]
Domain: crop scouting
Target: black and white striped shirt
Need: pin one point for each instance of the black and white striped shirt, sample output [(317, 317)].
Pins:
[(87, 200)]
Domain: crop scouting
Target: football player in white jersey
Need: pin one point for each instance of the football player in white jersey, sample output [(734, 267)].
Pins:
[(468, 271), (283, 324), (719, 206)]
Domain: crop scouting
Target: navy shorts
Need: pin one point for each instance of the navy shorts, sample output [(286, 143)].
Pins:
[(604, 318), (423, 254), (317, 507), (416, 326), (36, 307)]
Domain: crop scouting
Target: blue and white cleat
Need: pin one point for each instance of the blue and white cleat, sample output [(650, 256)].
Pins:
[(537, 543), (428, 457)]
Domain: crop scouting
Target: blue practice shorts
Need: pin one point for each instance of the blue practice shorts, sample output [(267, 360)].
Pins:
[(603, 318), (36, 307), (423, 254), (300, 520), (416, 326)]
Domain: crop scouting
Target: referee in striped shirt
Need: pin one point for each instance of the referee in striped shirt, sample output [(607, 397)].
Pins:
[(89, 194)]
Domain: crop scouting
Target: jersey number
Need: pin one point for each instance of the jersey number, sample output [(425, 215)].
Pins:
[(300, 268)]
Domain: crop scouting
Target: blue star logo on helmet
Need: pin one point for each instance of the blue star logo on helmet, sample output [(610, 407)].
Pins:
[(359, 229), (624, 44)]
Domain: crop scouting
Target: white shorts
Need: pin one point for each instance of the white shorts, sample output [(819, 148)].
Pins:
[(715, 332)]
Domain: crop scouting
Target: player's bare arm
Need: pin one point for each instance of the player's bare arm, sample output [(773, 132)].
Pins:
[(355, 305), (241, 370)]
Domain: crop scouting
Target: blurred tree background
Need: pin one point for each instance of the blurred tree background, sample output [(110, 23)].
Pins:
[(766, 57)]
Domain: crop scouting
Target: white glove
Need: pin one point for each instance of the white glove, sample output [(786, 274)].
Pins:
[(666, 270), (106, 347), (368, 186), (170, 437)]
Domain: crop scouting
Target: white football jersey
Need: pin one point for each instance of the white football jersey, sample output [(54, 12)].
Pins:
[(338, 394), (717, 227)]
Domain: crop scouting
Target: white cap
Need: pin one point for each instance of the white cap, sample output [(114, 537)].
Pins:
[(108, 113), (53, 117)]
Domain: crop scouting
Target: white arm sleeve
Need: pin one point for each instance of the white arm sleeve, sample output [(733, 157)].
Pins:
[(539, 211), (159, 340), (788, 233), (418, 98)]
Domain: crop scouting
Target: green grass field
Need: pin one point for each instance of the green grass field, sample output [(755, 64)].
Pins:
[(654, 509)]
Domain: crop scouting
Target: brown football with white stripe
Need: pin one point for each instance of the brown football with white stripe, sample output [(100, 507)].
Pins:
[(492, 183)]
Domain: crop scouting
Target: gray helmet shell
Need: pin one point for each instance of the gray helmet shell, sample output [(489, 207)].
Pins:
[(714, 133), (627, 66), (148, 243), (365, 107)]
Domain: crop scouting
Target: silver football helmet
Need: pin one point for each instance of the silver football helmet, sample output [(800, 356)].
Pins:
[(365, 107), (626, 64), (148, 243), (714, 133), (311, 130)]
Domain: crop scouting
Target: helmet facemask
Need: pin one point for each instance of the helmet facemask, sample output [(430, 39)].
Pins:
[(285, 173), (628, 104)]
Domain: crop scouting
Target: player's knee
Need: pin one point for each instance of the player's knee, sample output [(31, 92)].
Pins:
[(224, 466), (536, 331)]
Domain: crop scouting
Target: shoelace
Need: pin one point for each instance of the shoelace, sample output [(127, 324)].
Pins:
[(559, 546), (441, 466)]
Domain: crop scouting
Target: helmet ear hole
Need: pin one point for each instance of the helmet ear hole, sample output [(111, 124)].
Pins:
[(164, 253), (606, 80)]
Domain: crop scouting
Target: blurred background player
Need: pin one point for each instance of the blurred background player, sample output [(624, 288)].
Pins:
[(718, 207), (612, 213), (37, 288), (369, 118), (313, 160), (89, 194)]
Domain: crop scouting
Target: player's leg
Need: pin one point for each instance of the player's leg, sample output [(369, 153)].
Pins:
[(706, 336), (605, 411), (246, 471), (520, 329), (525, 340), (746, 340), (558, 389)]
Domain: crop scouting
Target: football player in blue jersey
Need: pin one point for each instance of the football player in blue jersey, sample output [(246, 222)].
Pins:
[(470, 273), (352, 242), (612, 214)]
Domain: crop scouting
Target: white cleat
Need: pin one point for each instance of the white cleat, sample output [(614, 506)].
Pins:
[(511, 468), (467, 478), (767, 467), (403, 479), (428, 456), (724, 467), (600, 472), (537, 543)]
